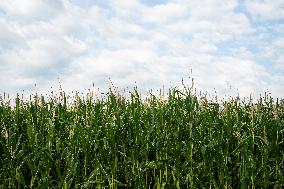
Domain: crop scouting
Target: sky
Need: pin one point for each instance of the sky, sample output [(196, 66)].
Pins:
[(234, 47)]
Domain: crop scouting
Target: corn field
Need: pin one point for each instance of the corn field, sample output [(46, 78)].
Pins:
[(179, 141)]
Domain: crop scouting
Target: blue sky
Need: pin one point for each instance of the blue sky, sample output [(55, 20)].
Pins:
[(233, 46)]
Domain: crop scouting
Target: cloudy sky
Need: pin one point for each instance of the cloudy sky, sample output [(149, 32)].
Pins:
[(230, 45)]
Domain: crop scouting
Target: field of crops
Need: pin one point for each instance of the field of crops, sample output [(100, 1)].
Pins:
[(178, 141)]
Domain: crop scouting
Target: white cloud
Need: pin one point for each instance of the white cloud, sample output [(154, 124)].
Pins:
[(278, 28), (279, 42), (243, 52), (164, 13), (133, 43), (8, 37), (127, 9), (266, 9), (208, 9), (32, 8)]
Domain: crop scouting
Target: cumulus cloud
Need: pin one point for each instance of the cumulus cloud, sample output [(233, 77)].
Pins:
[(32, 9), (266, 9), (135, 43)]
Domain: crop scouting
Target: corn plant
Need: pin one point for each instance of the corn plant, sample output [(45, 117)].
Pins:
[(178, 141)]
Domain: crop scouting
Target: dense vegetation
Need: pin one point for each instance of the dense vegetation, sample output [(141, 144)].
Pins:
[(182, 141)]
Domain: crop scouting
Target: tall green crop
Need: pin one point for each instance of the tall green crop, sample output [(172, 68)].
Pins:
[(178, 141)]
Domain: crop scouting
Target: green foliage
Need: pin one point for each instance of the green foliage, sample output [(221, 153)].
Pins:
[(181, 141)]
